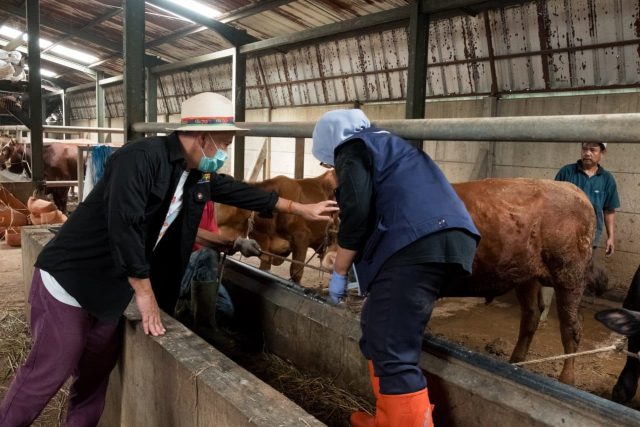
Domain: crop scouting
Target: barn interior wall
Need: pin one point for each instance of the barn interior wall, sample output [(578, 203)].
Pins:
[(115, 122)]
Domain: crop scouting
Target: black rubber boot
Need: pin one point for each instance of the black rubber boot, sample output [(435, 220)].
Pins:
[(204, 296), (182, 312), (625, 388)]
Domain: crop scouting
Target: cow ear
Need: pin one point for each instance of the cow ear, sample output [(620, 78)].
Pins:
[(620, 320)]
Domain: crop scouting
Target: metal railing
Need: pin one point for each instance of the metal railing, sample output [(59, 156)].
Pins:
[(573, 128), (66, 129)]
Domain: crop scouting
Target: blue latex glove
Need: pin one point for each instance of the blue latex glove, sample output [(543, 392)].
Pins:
[(337, 287)]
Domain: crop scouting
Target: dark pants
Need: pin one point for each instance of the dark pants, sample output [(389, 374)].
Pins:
[(203, 267), (67, 341), (627, 384), (393, 320)]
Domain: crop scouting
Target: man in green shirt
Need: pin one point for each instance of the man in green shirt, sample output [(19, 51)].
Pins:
[(599, 185)]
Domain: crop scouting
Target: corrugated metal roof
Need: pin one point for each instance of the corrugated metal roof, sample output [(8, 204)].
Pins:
[(286, 19), (536, 46)]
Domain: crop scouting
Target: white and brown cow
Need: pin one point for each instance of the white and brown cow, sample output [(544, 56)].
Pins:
[(285, 234), (534, 233), (60, 164)]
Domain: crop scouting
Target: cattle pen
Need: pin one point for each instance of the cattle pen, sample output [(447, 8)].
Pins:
[(274, 305), (289, 322), (490, 90)]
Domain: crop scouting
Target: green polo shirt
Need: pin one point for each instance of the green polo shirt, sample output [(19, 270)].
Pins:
[(601, 189)]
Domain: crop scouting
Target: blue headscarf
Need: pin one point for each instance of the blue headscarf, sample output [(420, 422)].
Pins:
[(333, 128)]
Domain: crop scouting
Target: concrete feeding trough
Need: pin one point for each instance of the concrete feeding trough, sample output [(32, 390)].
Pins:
[(468, 389), (179, 379)]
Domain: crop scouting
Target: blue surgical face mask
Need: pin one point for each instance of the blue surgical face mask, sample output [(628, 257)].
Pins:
[(212, 164)]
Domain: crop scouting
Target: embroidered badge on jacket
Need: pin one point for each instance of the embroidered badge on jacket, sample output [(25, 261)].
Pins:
[(206, 177)]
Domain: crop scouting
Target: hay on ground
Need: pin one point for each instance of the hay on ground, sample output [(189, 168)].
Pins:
[(15, 343)]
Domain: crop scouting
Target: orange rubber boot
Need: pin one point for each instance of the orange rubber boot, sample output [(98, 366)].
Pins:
[(360, 418), (404, 410)]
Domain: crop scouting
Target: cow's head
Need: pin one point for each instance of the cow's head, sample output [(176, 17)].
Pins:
[(7, 148), (330, 249)]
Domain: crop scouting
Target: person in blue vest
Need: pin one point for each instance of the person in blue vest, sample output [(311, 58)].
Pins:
[(407, 234)]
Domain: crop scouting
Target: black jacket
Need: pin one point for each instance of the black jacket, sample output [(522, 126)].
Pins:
[(112, 234)]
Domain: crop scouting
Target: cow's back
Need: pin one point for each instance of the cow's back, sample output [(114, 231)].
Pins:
[(60, 161), (531, 229), (307, 190), (279, 234)]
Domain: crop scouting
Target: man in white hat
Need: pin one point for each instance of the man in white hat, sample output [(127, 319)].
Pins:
[(201, 293), (132, 236)]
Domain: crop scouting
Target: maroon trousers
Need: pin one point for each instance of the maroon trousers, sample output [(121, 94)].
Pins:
[(67, 341)]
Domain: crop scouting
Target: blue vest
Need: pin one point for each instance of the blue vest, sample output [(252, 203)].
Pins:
[(412, 199)]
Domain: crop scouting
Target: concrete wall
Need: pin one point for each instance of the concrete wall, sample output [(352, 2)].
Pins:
[(464, 161)]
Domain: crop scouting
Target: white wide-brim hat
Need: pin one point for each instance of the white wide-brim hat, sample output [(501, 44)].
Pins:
[(207, 112)]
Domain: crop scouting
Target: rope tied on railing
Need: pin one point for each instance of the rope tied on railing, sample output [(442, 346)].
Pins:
[(618, 346), (302, 264)]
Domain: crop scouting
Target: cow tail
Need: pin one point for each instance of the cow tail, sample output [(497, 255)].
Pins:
[(596, 278)]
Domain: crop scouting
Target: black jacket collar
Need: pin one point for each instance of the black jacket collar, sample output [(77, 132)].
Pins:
[(175, 148)]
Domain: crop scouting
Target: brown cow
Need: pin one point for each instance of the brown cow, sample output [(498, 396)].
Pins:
[(284, 234), (60, 164), (534, 233)]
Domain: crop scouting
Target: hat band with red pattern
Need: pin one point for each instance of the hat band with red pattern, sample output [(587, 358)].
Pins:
[(229, 120)]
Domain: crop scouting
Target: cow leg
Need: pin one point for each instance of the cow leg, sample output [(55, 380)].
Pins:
[(264, 265), (568, 304), (625, 388), (546, 297), (529, 317), (60, 196), (298, 253)]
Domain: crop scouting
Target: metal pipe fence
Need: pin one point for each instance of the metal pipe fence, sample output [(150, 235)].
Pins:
[(66, 129), (620, 128)]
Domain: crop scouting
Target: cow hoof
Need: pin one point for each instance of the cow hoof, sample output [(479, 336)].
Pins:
[(623, 392)]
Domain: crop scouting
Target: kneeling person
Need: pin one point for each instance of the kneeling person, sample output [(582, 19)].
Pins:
[(202, 295)]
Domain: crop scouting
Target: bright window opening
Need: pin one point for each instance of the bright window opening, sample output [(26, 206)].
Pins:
[(44, 72), (198, 7), (67, 52), (75, 54)]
